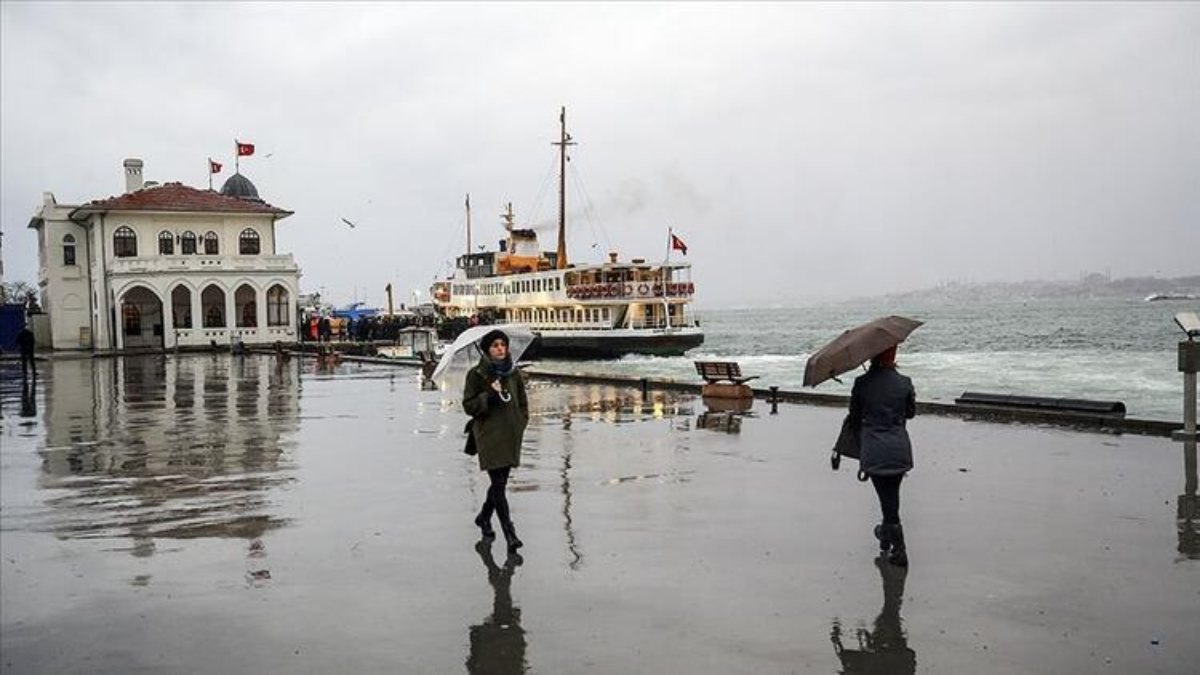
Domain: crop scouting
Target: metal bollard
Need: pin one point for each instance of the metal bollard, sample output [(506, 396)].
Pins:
[(774, 400)]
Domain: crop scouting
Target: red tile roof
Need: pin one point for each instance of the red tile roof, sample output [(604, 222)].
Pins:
[(180, 197)]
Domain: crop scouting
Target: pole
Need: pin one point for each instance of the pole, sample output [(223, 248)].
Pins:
[(1189, 363), (1189, 404), (563, 142), (468, 223), (209, 168)]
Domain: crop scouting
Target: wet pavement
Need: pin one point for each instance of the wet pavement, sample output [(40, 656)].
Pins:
[(206, 514)]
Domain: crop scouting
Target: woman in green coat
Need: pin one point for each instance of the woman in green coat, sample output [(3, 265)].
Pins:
[(495, 399)]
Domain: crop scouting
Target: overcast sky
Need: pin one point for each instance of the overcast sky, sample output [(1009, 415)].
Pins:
[(802, 151)]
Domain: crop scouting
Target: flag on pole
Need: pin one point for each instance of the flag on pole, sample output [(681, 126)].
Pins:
[(677, 244), (214, 167), (244, 149)]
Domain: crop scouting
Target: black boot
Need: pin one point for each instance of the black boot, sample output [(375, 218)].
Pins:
[(510, 535), (882, 533), (484, 522), (899, 554)]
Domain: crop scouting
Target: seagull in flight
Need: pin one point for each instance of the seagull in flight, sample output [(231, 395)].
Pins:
[(352, 225)]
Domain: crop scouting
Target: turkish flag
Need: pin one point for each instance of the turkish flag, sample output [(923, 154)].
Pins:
[(678, 245), (244, 149), (214, 167)]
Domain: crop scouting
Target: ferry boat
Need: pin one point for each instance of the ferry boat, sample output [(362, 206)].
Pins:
[(595, 310)]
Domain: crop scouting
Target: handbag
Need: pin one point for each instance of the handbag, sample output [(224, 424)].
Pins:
[(470, 447), (847, 443)]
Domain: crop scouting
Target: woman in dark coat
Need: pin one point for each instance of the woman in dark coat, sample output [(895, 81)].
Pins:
[(495, 399), (880, 404)]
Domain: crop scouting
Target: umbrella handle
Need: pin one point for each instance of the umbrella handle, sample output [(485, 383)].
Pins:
[(505, 396)]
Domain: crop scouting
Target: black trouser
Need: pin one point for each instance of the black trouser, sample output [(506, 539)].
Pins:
[(28, 364), (888, 489), (497, 500)]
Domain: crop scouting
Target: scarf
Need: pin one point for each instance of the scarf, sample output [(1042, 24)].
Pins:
[(502, 368)]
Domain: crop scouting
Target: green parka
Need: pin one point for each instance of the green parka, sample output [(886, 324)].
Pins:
[(498, 426)]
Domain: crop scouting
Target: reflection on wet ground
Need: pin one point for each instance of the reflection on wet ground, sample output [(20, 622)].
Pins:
[(498, 643), (162, 448), (220, 514), (883, 648), (1189, 507)]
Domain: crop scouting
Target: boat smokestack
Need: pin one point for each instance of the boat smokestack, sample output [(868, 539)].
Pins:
[(612, 257)]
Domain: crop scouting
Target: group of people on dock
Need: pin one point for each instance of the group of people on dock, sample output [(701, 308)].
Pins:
[(316, 328)]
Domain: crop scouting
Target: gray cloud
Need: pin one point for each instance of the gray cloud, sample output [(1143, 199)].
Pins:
[(803, 151)]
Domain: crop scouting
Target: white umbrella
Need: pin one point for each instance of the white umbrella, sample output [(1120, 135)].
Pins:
[(451, 371)]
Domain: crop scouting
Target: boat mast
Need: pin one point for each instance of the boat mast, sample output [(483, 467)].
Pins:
[(508, 218), (468, 223), (563, 142)]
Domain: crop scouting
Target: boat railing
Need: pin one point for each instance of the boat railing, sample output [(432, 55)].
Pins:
[(631, 289), (591, 327)]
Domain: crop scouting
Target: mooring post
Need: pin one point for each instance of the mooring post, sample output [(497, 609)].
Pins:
[(1189, 363), (774, 400)]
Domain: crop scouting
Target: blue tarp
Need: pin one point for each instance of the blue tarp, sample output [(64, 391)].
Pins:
[(355, 312)]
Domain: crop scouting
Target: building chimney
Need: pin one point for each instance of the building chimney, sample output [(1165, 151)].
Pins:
[(612, 257), (133, 175)]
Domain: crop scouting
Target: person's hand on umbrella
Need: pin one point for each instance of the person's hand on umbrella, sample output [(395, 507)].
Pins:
[(500, 393)]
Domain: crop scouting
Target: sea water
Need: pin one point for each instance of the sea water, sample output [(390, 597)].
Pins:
[(1103, 349)]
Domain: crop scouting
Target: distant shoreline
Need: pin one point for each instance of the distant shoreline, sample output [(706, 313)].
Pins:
[(1095, 287)]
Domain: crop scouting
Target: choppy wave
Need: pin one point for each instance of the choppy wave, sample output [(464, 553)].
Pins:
[(1108, 350)]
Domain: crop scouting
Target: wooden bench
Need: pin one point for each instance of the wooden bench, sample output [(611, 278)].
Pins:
[(722, 371), (724, 379)]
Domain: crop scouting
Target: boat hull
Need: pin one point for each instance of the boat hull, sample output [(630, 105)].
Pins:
[(600, 346)]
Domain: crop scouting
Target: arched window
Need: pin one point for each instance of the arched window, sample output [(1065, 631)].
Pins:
[(246, 305), (166, 243), (69, 250), (212, 303), (210, 244), (187, 243), (181, 306), (277, 306), (124, 243), (248, 242)]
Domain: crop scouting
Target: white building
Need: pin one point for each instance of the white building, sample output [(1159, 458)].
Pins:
[(162, 266)]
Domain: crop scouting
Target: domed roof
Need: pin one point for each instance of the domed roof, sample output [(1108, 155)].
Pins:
[(239, 186)]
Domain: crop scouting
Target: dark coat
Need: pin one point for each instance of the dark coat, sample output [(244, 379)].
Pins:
[(25, 341), (498, 426), (881, 401)]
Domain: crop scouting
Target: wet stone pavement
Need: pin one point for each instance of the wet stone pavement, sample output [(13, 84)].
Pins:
[(207, 514)]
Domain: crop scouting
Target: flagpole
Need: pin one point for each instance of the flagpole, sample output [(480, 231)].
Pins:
[(670, 233), (237, 158), (210, 174)]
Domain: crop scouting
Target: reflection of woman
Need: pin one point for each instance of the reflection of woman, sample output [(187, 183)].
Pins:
[(498, 644), (494, 397), (883, 650), (880, 404)]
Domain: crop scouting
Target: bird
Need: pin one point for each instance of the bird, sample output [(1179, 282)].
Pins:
[(352, 225)]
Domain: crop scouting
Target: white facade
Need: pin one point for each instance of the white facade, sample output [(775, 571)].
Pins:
[(164, 267)]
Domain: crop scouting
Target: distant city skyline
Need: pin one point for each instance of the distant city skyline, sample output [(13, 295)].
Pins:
[(804, 152)]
